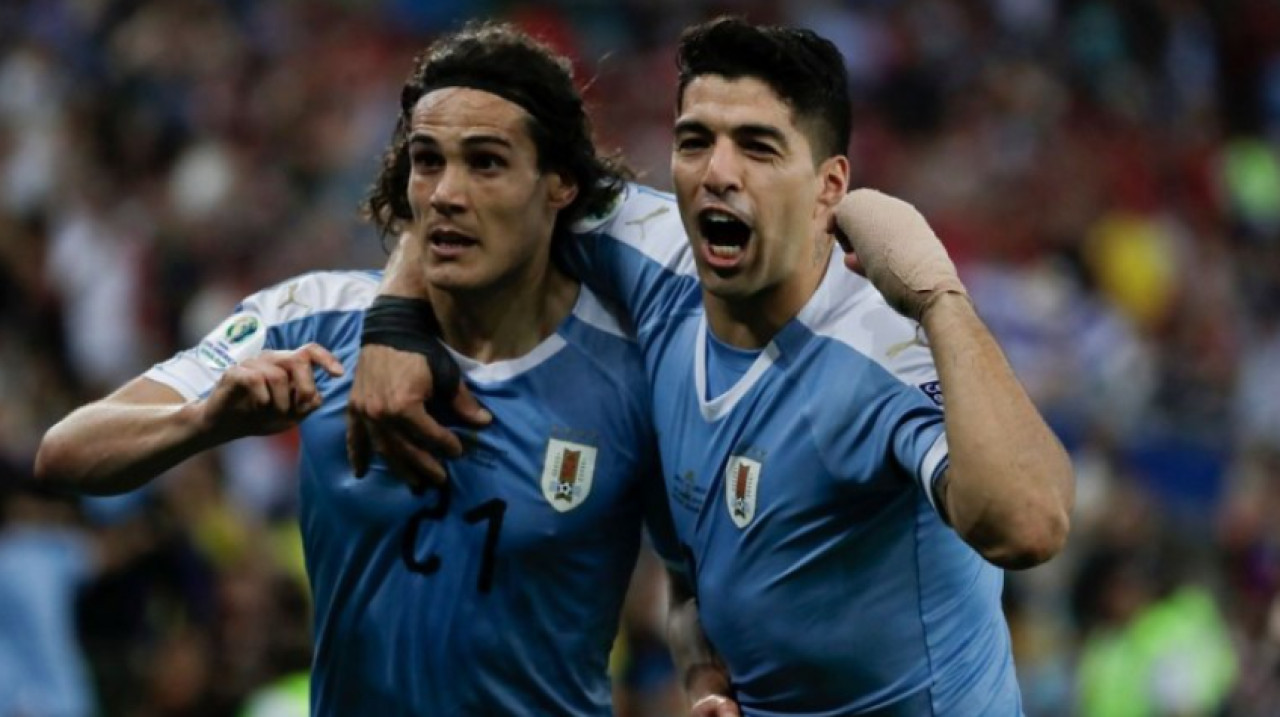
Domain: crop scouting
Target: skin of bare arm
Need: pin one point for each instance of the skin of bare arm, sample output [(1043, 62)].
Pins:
[(702, 673), (1010, 487), (386, 411), (122, 441)]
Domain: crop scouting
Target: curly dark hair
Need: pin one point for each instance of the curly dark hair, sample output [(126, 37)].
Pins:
[(804, 69), (517, 67)]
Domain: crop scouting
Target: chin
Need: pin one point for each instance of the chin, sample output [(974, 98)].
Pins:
[(725, 286), (453, 278)]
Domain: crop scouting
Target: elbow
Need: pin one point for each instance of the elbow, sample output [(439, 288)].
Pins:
[(50, 454), (1027, 526), (1033, 538), (54, 463), (1023, 534)]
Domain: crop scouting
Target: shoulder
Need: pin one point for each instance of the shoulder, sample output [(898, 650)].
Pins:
[(646, 220), (313, 294), (852, 319), (601, 334), (601, 315)]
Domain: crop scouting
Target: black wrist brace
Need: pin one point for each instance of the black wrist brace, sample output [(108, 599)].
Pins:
[(410, 325)]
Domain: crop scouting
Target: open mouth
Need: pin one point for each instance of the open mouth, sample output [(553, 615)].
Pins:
[(725, 234), (449, 238)]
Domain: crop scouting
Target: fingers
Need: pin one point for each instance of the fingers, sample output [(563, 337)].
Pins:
[(715, 706), (408, 462), (250, 383), (467, 407), (320, 356), (305, 397), (421, 428), (833, 228), (277, 378), (359, 445), (854, 264), (265, 384)]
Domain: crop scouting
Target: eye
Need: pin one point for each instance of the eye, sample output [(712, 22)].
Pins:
[(424, 159), (487, 162), (758, 147), (691, 143)]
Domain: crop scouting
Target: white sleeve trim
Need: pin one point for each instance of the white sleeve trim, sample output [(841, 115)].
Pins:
[(933, 459), (163, 374)]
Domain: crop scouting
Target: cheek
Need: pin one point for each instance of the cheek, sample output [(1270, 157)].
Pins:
[(419, 193)]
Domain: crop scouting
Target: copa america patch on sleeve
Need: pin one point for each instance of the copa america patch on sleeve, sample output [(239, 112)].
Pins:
[(933, 390), (240, 337)]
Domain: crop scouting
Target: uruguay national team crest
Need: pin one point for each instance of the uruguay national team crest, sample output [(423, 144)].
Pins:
[(567, 473), (741, 477)]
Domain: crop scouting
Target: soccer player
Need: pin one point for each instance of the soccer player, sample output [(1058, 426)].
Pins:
[(845, 534), (498, 592)]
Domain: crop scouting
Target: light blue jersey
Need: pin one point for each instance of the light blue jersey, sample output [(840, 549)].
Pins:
[(803, 491), (499, 595)]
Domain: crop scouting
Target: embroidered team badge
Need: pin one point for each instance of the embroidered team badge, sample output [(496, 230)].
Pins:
[(567, 473), (741, 477)]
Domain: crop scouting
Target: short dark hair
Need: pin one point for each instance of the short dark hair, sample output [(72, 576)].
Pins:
[(500, 58), (804, 69)]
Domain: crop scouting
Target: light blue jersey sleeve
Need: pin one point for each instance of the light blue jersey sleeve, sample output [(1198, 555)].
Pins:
[(883, 365), (636, 255), (321, 307)]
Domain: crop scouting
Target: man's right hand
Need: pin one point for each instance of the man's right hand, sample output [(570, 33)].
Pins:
[(267, 393), (386, 412), (715, 706)]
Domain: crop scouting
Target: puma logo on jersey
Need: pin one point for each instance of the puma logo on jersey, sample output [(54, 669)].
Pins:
[(291, 297), (916, 340), (643, 221)]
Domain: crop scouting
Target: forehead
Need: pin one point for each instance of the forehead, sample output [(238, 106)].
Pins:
[(460, 112), (720, 102)]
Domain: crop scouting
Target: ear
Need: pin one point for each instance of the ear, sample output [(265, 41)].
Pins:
[(833, 174), (561, 190)]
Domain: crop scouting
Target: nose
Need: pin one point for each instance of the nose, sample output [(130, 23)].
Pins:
[(449, 196), (723, 173)]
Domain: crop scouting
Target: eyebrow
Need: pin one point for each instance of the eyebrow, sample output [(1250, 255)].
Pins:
[(755, 131), (471, 141)]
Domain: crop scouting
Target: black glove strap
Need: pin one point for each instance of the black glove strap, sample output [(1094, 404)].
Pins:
[(410, 325)]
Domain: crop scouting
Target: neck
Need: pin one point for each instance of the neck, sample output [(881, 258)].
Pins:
[(506, 321), (751, 322)]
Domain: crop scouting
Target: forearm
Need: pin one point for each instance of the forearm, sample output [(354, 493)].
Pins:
[(699, 668), (403, 275), (107, 447), (1010, 486)]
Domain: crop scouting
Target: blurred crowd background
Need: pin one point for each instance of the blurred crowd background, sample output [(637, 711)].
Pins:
[(1106, 173)]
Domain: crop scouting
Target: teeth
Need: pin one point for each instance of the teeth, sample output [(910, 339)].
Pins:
[(725, 251)]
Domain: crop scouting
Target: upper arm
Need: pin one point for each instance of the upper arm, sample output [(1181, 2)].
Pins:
[(638, 256), (323, 307), (879, 409)]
